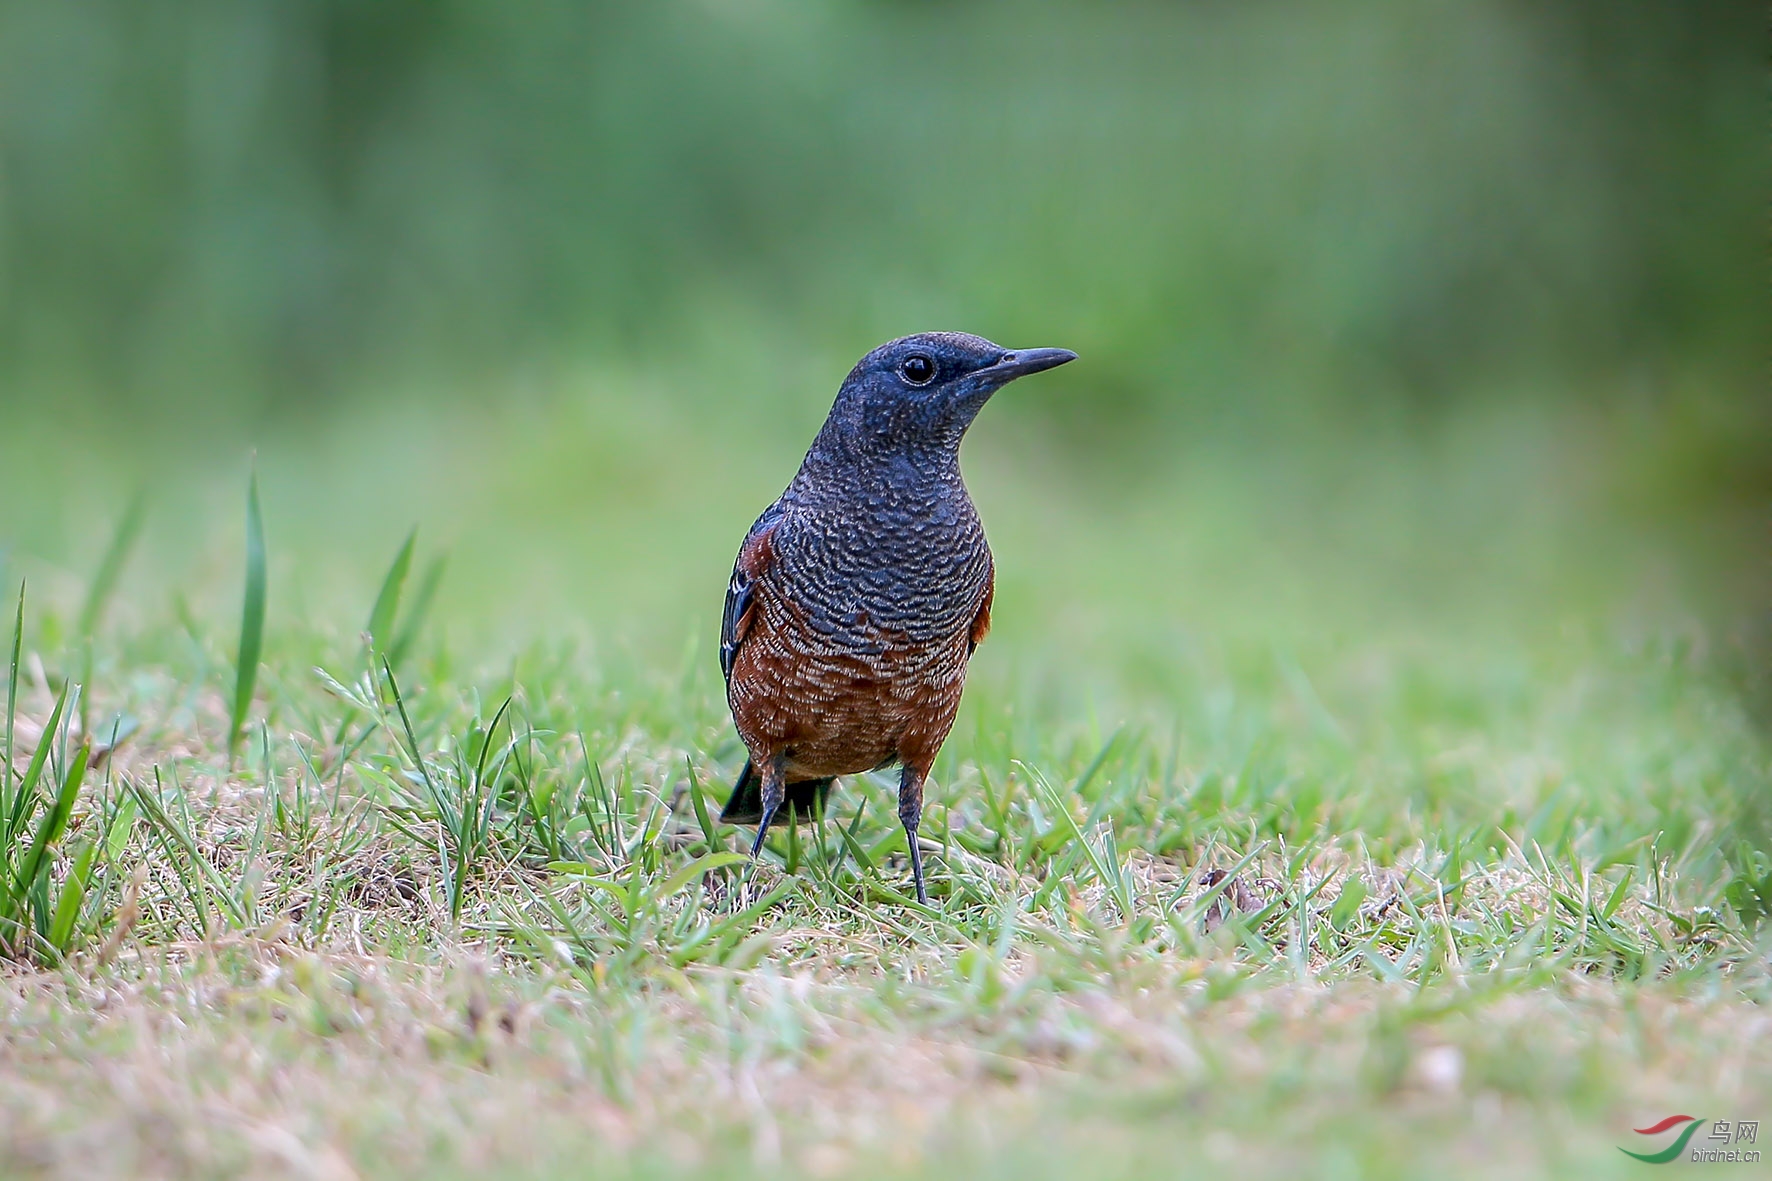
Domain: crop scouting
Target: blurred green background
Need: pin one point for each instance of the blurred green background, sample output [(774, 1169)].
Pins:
[(1392, 315)]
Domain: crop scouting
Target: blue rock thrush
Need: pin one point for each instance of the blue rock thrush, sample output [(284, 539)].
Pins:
[(859, 595)]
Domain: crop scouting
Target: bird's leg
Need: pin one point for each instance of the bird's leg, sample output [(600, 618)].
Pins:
[(910, 814), (774, 791)]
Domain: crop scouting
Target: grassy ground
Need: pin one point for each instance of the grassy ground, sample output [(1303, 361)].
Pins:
[(1408, 825)]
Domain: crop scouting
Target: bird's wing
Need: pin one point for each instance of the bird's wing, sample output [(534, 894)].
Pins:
[(981, 621), (754, 556)]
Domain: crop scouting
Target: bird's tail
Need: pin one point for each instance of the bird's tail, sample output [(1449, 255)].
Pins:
[(806, 798)]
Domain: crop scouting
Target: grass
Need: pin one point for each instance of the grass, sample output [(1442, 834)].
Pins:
[(1367, 900), (252, 618)]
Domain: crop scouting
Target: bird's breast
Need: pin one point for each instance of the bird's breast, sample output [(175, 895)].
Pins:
[(877, 578)]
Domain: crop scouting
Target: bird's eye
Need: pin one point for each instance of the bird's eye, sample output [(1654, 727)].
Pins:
[(917, 369)]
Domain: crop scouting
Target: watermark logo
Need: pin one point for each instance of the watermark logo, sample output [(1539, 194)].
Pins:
[(1720, 1144)]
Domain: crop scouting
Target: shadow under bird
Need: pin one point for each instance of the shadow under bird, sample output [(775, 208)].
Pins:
[(859, 595)]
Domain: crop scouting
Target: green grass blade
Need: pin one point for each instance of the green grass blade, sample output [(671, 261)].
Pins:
[(695, 869), (486, 743), (110, 568), (412, 749), (1104, 861), (387, 600), (164, 831), (701, 806), (863, 865), (55, 821), (73, 894), (121, 824), (252, 617), (18, 633), (203, 878), (27, 787), (420, 608)]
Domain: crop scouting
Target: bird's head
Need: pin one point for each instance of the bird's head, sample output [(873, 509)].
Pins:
[(921, 392)]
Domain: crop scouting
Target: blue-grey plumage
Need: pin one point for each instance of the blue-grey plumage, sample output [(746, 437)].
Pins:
[(858, 596)]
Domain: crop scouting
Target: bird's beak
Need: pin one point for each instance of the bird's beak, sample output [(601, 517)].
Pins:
[(1022, 362)]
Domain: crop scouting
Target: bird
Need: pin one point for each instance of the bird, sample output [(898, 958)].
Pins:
[(858, 596)]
